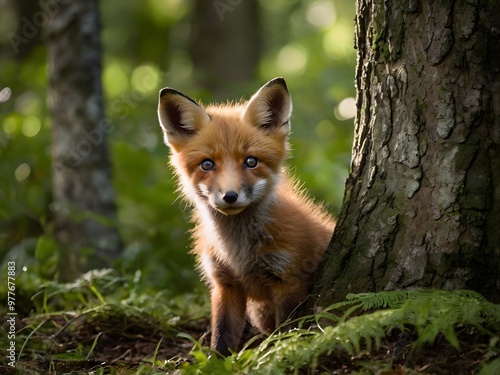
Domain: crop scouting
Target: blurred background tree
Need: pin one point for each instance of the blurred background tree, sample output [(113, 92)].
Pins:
[(224, 66), (211, 50), (83, 197)]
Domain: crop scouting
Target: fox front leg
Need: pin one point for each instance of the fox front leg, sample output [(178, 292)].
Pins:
[(228, 301)]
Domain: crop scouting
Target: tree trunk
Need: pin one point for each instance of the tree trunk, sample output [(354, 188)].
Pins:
[(225, 45), (422, 202), (84, 200)]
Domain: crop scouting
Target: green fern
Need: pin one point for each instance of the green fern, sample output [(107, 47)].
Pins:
[(434, 311), (431, 312)]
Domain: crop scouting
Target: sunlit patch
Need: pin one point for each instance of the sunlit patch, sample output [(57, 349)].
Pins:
[(22, 172), (346, 109), (321, 13), (167, 10), (292, 59), (5, 94), (31, 126), (145, 78), (10, 124), (338, 41), (115, 79), (28, 103)]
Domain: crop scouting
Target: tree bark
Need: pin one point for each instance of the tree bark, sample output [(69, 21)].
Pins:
[(422, 201), (84, 199)]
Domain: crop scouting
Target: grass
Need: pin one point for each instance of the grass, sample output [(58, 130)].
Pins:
[(104, 323)]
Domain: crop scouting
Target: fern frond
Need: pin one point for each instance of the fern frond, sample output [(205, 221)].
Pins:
[(390, 299), (431, 312)]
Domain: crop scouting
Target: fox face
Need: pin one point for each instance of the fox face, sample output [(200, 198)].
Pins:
[(229, 157)]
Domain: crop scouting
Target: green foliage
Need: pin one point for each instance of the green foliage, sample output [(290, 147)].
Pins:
[(103, 304), (429, 312), (25, 163), (106, 292), (490, 368), (153, 225), (310, 43), (99, 306), (145, 49), (314, 52)]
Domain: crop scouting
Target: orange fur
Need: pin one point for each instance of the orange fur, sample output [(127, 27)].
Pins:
[(257, 237)]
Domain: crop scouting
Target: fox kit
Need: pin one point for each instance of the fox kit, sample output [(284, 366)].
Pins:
[(258, 239)]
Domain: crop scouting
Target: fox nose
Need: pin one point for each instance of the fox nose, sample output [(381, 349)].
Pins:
[(230, 197)]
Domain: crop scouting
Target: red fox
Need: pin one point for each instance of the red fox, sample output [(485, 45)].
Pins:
[(257, 238)]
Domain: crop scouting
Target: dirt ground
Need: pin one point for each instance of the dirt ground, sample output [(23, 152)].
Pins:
[(122, 346)]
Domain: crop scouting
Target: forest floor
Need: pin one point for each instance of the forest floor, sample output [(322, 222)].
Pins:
[(139, 347), (103, 323)]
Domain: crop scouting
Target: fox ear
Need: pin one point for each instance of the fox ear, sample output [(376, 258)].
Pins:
[(179, 115), (270, 107)]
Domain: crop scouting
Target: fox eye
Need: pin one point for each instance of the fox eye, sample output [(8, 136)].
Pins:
[(207, 165), (251, 162)]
